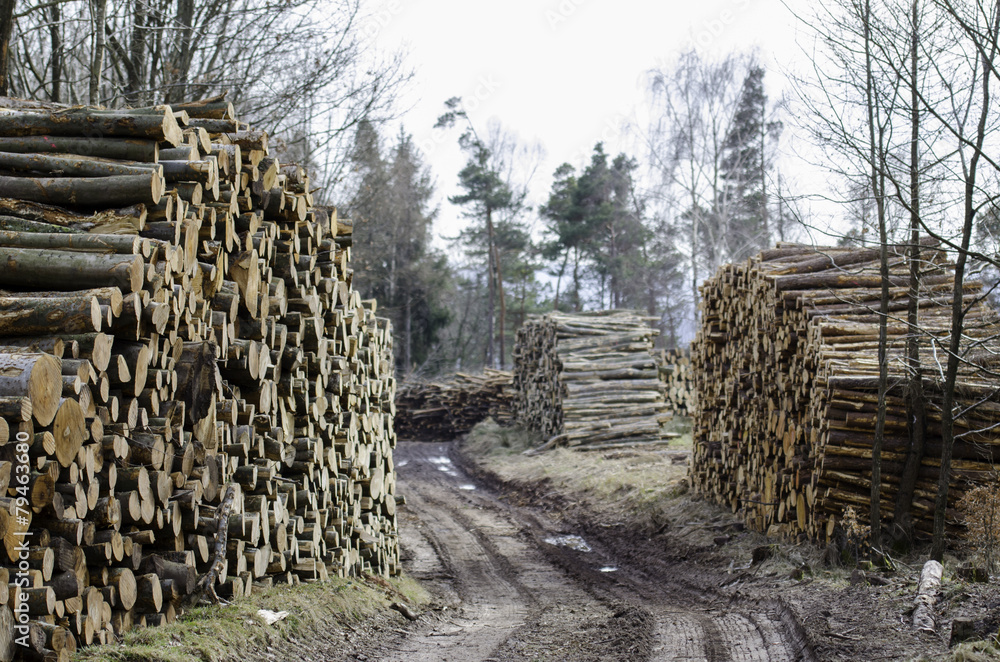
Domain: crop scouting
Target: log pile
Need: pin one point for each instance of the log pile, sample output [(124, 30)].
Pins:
[(589, 378), (786, 374), (675, 371), (189, 385), (446, 410)]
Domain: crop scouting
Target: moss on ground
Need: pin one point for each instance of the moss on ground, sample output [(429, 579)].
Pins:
[(236, 632)]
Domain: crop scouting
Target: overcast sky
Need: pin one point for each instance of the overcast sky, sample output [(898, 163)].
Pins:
[(563, 73)]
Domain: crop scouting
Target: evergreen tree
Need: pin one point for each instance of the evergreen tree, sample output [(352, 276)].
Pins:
[(743, 203), (393, 259), (492, 201), (569, 230)]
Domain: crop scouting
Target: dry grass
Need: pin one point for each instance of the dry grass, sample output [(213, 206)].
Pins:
[(639, 485), (644, 487), (236, 633)]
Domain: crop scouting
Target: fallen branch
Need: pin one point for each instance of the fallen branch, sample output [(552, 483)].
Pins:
[(206, 583)]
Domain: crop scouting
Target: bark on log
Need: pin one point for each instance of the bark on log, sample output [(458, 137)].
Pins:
[(160, 127), (51, 269), (117, 190)]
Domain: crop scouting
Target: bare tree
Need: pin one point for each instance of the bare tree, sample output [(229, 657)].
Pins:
[(299, 68), (697, 147)]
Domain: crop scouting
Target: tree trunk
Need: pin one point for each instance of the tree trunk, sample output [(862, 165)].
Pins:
[(408, 342), (503, 306), (6, 28), (28, 316), (878, 188), (916, 416), (99, 19), (576, 280), (491, 288), (958, 307), (183, 53), (562, 270), (134, 95), (55, 36)]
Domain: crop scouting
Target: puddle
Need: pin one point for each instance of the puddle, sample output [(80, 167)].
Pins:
[(467, 487), (573, 542), (402, 463), (444, 464), (609, 568)]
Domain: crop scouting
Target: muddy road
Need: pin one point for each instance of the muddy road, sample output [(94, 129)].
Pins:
[(510, 584)]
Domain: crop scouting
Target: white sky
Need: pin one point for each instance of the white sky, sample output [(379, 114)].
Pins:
[(564, 73)]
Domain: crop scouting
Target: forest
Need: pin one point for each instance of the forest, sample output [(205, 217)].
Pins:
[(820, 240), (706, 183)]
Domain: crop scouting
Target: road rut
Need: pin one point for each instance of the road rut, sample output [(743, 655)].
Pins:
[(512, 585)]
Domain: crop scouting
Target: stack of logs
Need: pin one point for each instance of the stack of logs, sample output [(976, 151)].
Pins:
[(675, 371), (446, 410), (590, 378), (786, 372), (189, 385)]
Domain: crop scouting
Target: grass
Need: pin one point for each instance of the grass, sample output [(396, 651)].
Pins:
[(236, 632), (638, 485)]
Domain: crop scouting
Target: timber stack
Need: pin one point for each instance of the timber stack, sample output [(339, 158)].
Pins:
[(447, 409), (590, 378), (193, 399), (675, 371), (786, 374)]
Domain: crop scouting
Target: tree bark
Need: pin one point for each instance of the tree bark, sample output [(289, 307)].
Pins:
[(6, 29), (916, 416), (125, 149), (34, 268), (99, 19), (56, 66), (491, 288), (37, 376), (92, 192), (26, 316), (958, 308), (875, 136), (159, 126)]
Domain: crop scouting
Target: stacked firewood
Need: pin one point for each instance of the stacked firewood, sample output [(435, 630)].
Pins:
[(675, 371), (446, 410), (786, 373), (189, 385), (590, 378)]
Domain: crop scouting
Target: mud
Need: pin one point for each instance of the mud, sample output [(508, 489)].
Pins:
[(514, 583)]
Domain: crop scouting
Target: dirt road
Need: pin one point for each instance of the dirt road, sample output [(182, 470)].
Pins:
[(512, 585)]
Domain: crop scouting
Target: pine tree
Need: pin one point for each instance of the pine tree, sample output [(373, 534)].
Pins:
[(743, 203), (393, 258)]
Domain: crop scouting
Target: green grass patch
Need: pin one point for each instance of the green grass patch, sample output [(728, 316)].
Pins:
[(232, 632)]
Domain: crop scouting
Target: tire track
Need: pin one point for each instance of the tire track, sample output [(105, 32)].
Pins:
[(508, 594)]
